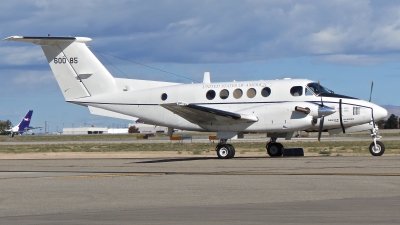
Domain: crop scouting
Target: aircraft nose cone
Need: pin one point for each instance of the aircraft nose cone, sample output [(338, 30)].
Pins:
[(379, 113)]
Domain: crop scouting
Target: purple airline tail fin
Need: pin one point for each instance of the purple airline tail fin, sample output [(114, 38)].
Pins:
[(25, 121)]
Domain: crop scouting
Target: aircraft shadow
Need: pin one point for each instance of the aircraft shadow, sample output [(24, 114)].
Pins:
[(165, 160)]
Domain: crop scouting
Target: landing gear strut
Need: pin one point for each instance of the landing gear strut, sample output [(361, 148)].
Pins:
[(376, 148), (274, 149), (224, 150)]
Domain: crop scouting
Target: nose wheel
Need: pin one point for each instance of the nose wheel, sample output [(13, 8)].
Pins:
[(377, 149)]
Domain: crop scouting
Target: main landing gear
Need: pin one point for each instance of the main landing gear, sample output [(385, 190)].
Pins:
[(227, 151), (224, 150), (274, 149)]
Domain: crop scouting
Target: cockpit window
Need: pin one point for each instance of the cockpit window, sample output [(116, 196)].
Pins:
[(308, 92), (318, 89)]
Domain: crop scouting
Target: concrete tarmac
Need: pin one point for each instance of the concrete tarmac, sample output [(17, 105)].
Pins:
[(201, 190)]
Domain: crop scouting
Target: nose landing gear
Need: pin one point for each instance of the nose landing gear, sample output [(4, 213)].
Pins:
[(376, 148)]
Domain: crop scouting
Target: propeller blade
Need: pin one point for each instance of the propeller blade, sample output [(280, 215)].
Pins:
[(370, 93), (321, 127)]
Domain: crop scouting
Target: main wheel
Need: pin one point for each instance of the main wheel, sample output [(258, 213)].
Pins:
[(223, 151), (275, 149), (378, 150), (231, 151)]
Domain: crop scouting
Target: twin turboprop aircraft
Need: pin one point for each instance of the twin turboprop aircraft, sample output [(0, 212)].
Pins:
[(276, 107)]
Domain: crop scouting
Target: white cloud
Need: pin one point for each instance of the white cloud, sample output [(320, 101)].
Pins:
[(327, 41), (183, 23), (356, 60), (33, 78), (209, 31), (21, 55)]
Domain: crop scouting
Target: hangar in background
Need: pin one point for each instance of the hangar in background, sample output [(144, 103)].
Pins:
[(141, 128), (85, 130), (147, 128)]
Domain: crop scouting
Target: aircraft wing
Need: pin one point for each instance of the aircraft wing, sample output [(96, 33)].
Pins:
[(31, 128), (200, 114)]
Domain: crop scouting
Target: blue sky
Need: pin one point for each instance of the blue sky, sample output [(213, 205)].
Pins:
[(344, 44)]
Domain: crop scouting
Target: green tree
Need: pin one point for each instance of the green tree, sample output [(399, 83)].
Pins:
[(4, 125), (381, 124), (133, 129), (392, 122)]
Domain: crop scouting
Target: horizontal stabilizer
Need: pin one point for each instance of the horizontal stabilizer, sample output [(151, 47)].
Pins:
[(103, 112), (47, 40)]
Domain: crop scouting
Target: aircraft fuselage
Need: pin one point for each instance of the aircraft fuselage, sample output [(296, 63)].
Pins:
[(275, 111)]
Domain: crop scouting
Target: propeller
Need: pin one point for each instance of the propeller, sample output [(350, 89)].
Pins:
[(321, 127), (370, 93), (321, 121), (322, 112)]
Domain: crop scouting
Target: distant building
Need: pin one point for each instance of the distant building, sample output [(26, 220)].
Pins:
[(117, 130), (147, 128), (85, 130), (142, 128)]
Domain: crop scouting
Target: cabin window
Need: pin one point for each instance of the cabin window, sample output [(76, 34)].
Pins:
[(223, 94), (237, 93), (296, 91), (210, 95), (251, 93), (164, 96), (265, 92), (356, 110)]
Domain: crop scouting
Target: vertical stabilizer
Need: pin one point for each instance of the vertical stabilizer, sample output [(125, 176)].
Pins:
[(25, 121), (77, 70)]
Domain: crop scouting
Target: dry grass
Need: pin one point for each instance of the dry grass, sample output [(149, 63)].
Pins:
[(311, 148)]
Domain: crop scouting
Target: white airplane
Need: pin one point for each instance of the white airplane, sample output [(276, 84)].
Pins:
[(23, 126), (276, 107)]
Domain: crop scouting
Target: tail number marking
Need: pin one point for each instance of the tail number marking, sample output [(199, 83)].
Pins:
[(72, 60)]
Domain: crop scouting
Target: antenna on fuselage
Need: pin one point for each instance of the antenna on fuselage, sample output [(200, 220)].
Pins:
[(206, 78)]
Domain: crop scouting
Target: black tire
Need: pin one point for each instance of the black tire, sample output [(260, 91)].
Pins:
[(231, 151), (223, 151), (275, 149), (379, 150)]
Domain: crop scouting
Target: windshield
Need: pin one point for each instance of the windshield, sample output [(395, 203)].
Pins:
[(318, 89)]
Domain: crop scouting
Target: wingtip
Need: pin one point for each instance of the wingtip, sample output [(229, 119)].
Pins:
[(12, 38)]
